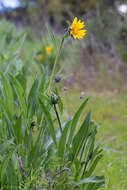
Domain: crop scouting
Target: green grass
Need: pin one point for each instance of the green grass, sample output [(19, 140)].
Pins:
[(110, 111)]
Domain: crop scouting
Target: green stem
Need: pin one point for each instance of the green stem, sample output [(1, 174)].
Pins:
[(54, 66), (58, 118)]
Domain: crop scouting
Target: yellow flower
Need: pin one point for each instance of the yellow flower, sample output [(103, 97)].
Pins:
[(40, 57), (76, 29), (48, 50)]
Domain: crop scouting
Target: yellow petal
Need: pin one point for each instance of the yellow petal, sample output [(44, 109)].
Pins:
[(77, 30)]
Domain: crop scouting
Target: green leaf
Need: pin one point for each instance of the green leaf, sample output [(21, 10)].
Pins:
[(18, 129), (33, 95), (52, 36), (76, 119), (16, 47), (80, 137), (45, 97), (3, 129), (12, 179), (94, 164), (94, 186), (92, 179), (20, 93), (8, 94), (6, 110), (2, 43), (63, 140), (90, 144), (5, 163), (4, 146), (49, 122), (33, 92)]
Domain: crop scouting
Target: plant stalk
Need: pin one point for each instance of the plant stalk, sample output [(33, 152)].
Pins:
[(58, 118), (54, 66)]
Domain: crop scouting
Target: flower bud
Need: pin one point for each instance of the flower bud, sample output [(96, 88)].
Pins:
[(57, 79), (54, 98)]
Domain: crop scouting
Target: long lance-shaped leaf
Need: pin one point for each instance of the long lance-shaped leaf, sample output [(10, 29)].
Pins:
[(16, 48), (8, 94), (80, 137), (20, 93), (6, 110), (33, 94), (96, 156), (90, 145), (94, 186), (5, 163), (62, 141), (92, 179), (94, 164), (18, 130), (52, 36), (49, 122), (8, 115), (75, 120)]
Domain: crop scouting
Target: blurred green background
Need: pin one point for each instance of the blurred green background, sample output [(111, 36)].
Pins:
[(95, 66)]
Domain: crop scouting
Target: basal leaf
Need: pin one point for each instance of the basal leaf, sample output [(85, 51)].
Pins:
[(20, 93), (75, 120), (49, 122), (8, 94), (92, 179), (63, 140), (81, 136)]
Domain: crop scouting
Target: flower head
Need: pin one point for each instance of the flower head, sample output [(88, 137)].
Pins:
[(48, 49), (40, 57), (76, 29)]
